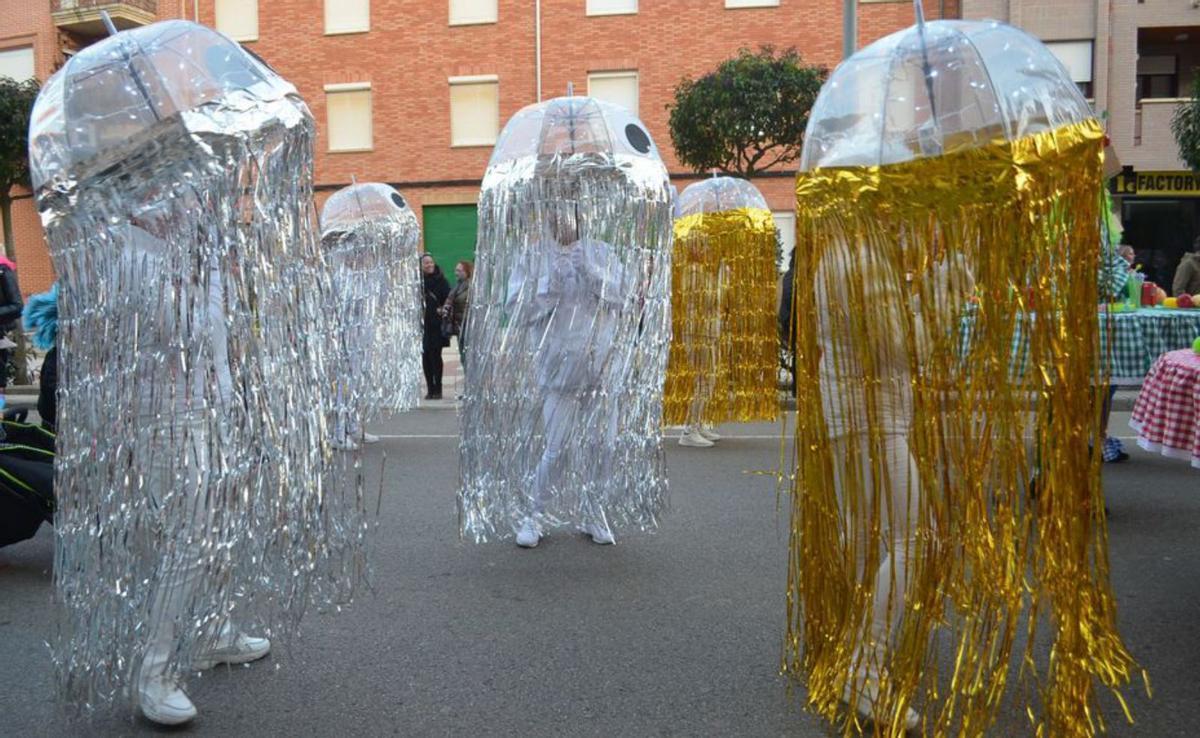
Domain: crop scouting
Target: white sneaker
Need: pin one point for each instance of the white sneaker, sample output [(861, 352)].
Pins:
[(529, 535), (369, 437), (600, 534), (864, 702), (240, 649), (343, 444), (709, 433), (163, 702), (694, 439)]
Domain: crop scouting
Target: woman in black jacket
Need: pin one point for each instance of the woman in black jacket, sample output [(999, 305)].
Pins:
[(436, 291)]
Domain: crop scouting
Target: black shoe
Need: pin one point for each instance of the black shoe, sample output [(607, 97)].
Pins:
[(434, 396), (1122, 456)]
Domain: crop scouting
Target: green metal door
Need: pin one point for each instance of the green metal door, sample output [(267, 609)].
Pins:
[(450, 235)]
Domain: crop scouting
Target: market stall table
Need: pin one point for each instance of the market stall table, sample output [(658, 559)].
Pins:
[(1130, 341), (1166, 415)]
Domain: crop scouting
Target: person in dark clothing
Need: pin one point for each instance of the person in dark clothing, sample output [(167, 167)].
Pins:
[(787, 333), (41, 317), (437, 289), (455, 310), (48, 390), (10, 311)]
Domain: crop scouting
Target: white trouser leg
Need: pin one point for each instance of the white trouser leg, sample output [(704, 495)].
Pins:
[(178, 490), (898, 522), (559, 414)]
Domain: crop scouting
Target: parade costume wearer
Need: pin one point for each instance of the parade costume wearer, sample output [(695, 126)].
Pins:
[(569, 327), (948, 214), (370, 236), (725, 342), (173, 174)]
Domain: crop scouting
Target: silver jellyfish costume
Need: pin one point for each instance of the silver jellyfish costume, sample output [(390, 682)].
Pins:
[(370, 236), (570, 325), (173, 174)]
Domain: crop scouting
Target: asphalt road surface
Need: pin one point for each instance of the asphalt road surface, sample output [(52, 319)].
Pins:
[(674, 633)]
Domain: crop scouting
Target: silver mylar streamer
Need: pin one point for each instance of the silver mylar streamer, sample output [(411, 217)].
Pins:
[(371, 237), (173, 174), (570, 325)]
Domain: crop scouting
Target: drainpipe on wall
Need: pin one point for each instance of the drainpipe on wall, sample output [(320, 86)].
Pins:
[(537, 46), (849, 28)]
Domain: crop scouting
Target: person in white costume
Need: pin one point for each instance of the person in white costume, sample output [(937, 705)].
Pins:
[(580, 289)]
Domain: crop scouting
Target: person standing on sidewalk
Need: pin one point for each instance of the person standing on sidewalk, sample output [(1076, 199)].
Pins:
[(454, 312), (437, 289)]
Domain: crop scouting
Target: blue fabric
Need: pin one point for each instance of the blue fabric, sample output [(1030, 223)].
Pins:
[(41, 317)]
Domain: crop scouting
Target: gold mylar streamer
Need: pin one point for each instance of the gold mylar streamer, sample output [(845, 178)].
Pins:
[(946, 495), (723, 321)]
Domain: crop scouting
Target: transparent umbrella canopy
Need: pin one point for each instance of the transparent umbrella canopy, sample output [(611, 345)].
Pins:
[(569, 304), (108, 96), (716, 194), (936, 88)]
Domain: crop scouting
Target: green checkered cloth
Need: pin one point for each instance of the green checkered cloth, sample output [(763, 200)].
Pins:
[(1130, 342)]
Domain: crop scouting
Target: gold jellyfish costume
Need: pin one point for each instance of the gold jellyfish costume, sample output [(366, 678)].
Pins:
[(725, 343), (947, 222)]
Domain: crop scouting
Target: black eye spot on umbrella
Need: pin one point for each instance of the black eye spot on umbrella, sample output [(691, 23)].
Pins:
[(398, 200), (638, 138)]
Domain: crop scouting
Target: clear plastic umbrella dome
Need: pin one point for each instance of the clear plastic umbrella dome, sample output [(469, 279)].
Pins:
[(350, 207), (568, 325), (717, 194), (109, 96), (935, 88), (371, 237)]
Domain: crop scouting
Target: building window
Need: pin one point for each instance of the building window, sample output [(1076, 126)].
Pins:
[(469, 12), (611, 7), (238, 19), (348, 116), (347, 16), (752, 3), (474, 110), (785, 221), (615, 87), (1076, 56), (17, 63), (1157, 76)]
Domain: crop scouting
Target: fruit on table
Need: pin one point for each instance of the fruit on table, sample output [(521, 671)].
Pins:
[(1185, 301), (1196, 345), (1170, 302)]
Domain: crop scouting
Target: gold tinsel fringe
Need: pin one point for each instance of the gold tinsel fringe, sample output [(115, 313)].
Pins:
[(723, 317), (922, 273)]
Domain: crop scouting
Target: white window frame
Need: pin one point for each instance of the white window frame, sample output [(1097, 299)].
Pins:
[(590, 12), (254, 37), (475, 79), (474, 21), (1091, 46), (620, 74), (785, 221), (32, 58), (330, 4), (350, 87), (751, 3)]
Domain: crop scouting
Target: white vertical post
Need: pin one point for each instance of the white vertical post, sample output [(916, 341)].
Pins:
[(849, 28)]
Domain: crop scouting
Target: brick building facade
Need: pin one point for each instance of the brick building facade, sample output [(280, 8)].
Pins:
[(406, 57)]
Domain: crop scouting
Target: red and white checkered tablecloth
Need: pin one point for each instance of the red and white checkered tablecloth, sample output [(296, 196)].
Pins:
[(1166, 415)]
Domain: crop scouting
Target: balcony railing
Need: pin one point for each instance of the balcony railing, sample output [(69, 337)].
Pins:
[(1154, 143), (149, 6), (83, 17)]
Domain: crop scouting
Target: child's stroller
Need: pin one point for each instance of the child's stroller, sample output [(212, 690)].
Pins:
[(26, 479)]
